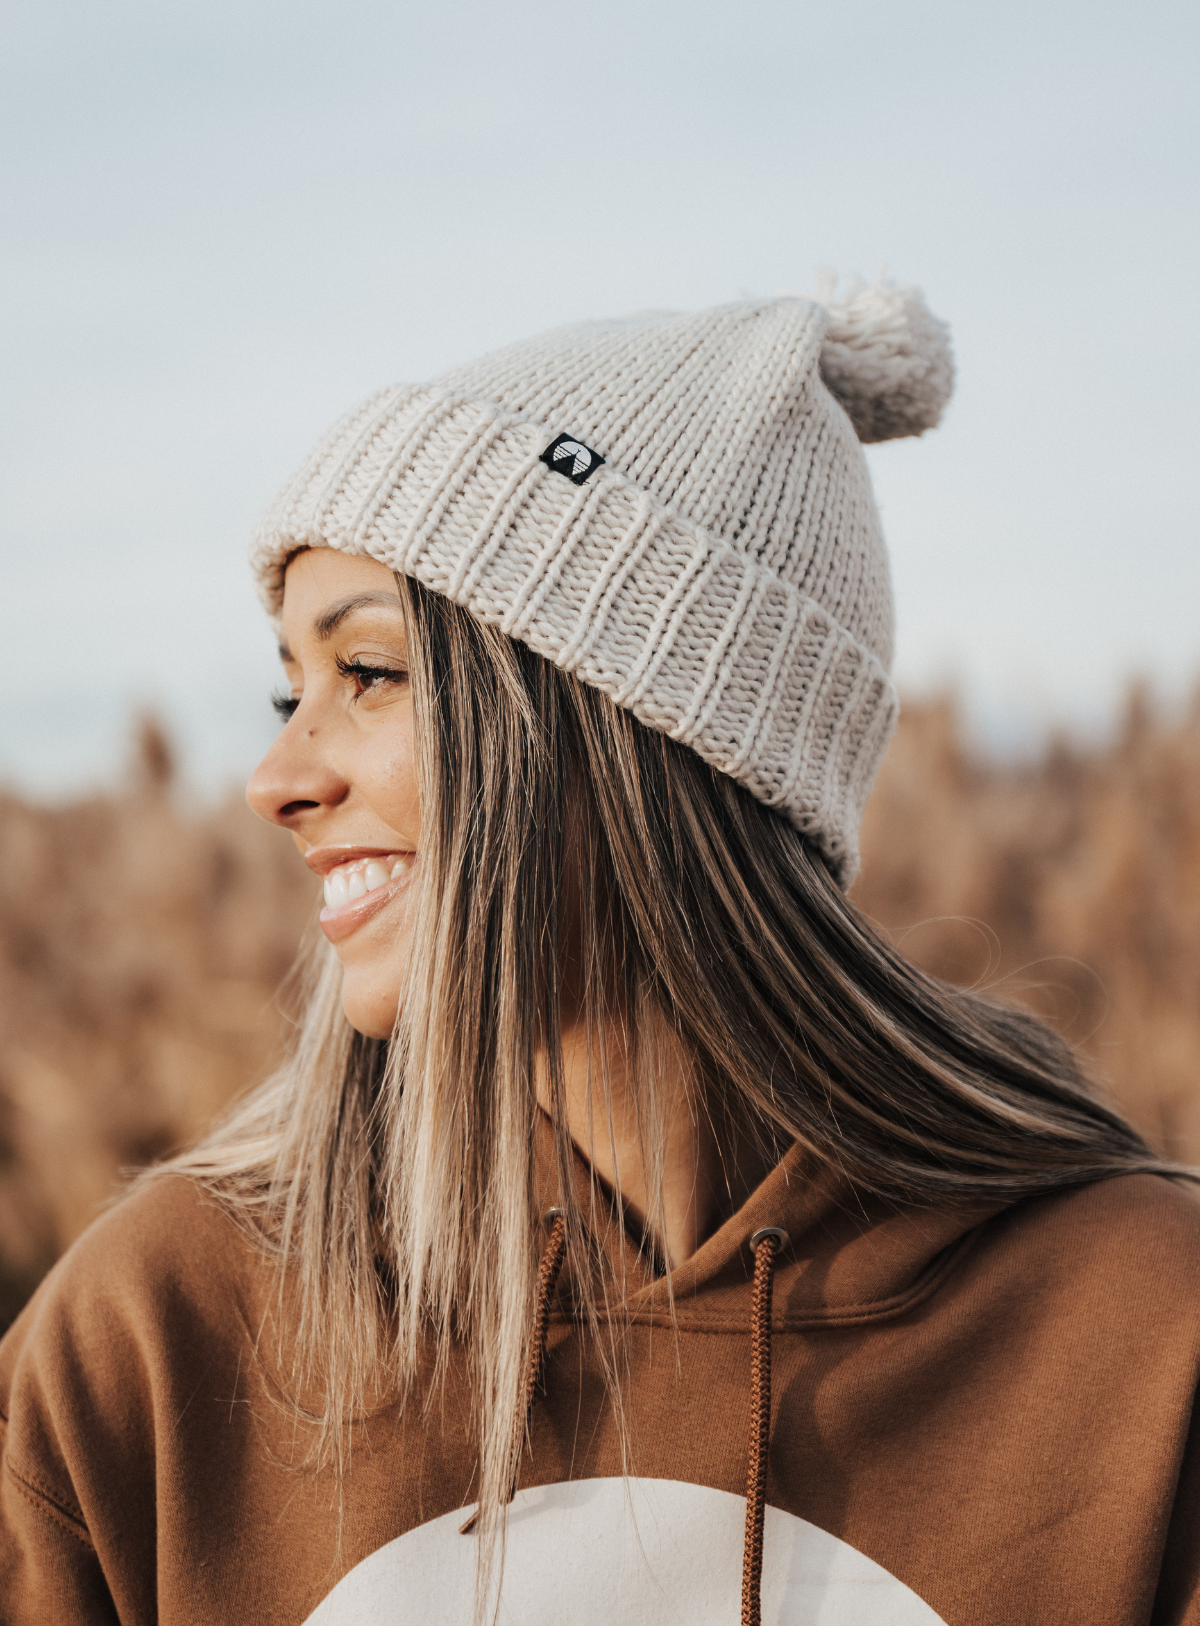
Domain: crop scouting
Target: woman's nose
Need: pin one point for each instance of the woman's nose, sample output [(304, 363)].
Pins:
[(295, 780)]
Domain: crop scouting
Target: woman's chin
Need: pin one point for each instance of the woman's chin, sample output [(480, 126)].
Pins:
[(370, 1012)]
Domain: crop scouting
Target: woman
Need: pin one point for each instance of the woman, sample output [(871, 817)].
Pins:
[(632, 1235)]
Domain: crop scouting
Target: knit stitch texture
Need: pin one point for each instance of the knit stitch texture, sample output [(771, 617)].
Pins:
[(722, 575)]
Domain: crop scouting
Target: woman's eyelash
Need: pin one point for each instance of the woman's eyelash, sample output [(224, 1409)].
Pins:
[(285, 704), (370, 674)]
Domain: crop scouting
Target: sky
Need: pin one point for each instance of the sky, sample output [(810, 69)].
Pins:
[(223, 224)]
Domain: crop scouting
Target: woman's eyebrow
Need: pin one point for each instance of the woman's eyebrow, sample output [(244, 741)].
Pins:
[(329, 620)]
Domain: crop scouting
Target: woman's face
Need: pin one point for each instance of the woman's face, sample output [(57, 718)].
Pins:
[(341, 776)]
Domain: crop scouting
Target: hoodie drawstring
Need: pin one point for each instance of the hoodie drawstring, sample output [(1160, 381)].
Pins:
[(765, 1244), (547, 1281)]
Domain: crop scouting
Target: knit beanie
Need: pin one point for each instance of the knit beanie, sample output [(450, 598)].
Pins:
[(674, 507)]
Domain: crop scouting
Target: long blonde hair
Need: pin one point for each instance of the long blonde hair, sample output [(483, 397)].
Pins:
[(395, 1180)]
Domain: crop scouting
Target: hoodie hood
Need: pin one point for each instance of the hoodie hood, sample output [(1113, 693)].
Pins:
[(850, 1258)]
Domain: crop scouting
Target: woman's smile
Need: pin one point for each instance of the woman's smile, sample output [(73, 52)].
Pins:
[(358, 885)]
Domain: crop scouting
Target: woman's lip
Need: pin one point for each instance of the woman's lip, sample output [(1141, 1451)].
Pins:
[(322, 859), (338, 924)]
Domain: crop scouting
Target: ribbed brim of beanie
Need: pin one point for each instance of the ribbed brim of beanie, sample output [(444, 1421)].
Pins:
[(676, 509)]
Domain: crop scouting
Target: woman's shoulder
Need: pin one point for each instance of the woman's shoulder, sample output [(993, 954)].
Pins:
[(1148, 1208), (1132, 1232), (167, 1257), (141, 1337)]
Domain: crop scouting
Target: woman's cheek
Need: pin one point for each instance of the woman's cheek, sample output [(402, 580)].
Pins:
[(392, 780)]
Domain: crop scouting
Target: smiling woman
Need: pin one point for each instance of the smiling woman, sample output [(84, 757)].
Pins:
[(632, 1233)]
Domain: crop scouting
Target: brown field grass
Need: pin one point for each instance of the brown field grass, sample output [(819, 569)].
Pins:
[(141, 947)]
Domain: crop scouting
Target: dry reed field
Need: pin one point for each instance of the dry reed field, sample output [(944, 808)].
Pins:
[(142, 947)]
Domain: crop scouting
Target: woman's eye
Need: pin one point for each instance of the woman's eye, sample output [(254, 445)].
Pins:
[(284, 704), (370, 679)]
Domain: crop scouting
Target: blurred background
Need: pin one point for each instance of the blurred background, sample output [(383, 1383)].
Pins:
[(224, 224)]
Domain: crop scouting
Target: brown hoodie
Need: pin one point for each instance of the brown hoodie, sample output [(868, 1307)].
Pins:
[(980, 1418)]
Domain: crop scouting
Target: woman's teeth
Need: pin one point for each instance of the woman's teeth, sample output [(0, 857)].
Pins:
[(351, 881)]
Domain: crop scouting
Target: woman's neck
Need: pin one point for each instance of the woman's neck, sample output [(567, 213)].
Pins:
[(705, 1175)]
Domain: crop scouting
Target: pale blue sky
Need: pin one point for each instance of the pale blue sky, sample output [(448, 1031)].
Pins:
[(223, 223)]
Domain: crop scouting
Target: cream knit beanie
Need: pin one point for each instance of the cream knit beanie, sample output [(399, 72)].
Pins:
[(676, 508)]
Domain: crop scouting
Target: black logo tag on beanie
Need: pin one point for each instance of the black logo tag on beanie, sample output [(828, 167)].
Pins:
[(571, 457)]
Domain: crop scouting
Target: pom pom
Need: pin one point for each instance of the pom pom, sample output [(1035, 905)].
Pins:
[(886, 358)]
